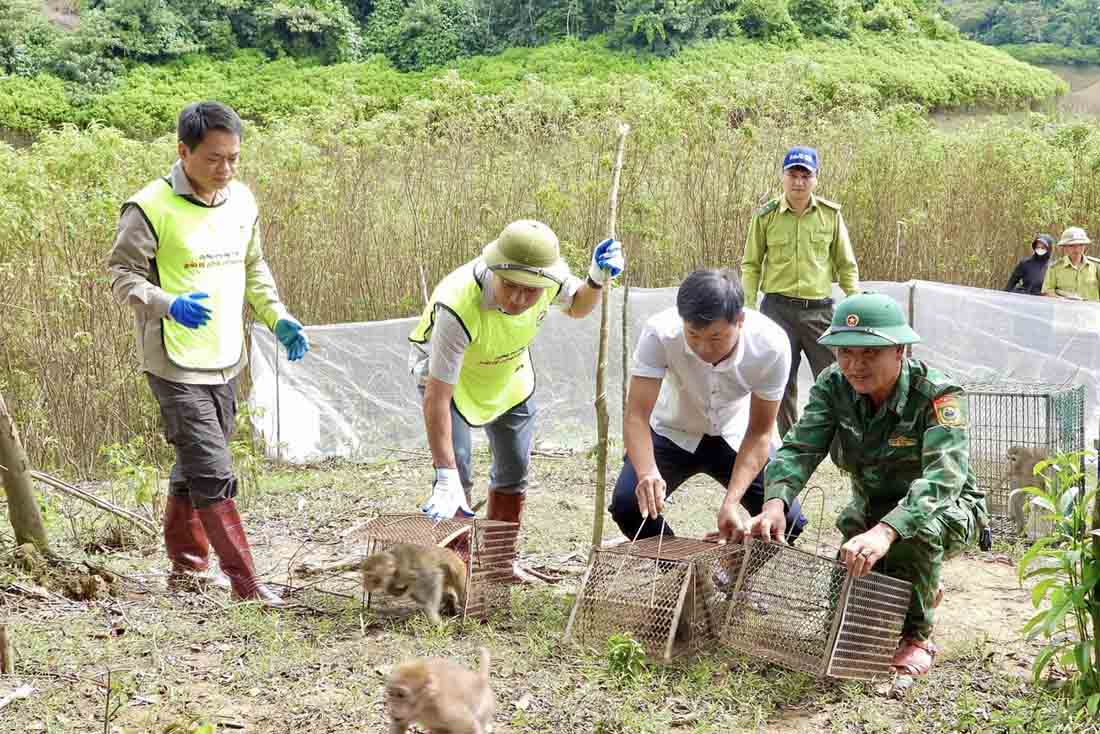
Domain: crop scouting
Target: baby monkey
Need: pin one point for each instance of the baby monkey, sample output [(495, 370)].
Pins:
[(428, 573), (440, 696)]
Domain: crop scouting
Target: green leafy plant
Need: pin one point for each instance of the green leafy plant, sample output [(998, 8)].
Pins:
[(136, 479), (1065, 565), (626, 659)]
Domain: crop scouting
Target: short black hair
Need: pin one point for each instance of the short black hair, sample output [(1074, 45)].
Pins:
[(706, 296), (198, 118)]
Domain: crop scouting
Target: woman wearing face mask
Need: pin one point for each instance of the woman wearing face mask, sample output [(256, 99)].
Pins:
[(1029, 273)]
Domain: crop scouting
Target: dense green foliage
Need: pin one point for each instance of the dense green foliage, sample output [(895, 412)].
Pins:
[(584, 77), (1047, 31), (416, 34)]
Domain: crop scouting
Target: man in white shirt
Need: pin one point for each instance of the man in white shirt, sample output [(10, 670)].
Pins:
[(706, 383)]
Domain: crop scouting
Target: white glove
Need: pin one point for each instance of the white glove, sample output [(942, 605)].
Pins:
[(447, 497), (608, 261)]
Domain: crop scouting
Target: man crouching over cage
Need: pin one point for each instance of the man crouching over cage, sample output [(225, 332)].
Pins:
[(902, 432), (705, 386)]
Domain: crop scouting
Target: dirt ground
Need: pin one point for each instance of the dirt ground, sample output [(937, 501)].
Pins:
[(180, 662)]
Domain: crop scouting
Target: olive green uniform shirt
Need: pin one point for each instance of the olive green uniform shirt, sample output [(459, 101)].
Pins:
[(798, 255), (134, 282), (909, 459), (1063, 278)]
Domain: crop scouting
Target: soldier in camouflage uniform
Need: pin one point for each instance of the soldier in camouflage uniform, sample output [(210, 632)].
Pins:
[(902, 427), (796, 247)]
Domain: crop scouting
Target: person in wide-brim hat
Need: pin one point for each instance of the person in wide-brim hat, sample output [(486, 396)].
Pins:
[(899, 427), (1074, 275), (470, 356)]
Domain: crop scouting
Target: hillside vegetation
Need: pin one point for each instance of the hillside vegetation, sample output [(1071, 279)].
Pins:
[(1037, 31), (369, 176), (130, 64)]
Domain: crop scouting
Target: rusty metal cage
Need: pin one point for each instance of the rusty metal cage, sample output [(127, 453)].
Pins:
[(488, 547), (805, 612), (660, 589), (1045, 418)]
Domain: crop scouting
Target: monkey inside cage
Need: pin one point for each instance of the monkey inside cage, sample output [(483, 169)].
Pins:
[(487, 548), (1013, 426)]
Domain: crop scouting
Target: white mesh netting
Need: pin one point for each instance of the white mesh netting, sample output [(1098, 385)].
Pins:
[(353, 396)]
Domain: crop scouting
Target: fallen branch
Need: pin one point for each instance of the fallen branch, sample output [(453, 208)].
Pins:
[(70, 490), (20, 692)]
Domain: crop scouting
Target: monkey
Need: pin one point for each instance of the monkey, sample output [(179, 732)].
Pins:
[(1022, 461), (441, 697), (428, 573)]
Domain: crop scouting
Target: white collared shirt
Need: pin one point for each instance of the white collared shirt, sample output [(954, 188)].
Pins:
[(698, 398)]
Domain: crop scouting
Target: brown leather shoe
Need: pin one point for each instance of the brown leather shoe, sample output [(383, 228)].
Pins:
[(226, 533)]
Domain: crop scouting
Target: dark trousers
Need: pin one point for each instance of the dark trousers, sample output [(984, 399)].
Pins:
[(713, 457), (803, 326), (198, 421)]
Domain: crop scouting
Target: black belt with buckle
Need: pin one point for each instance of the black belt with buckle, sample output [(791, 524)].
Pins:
[(802, 302)]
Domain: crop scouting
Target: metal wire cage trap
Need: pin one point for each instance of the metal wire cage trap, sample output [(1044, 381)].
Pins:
[(488, 547), (660, 589), (1007, 416), (805, 612)]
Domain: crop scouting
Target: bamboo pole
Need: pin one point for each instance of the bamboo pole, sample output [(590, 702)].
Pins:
[(601, 362)]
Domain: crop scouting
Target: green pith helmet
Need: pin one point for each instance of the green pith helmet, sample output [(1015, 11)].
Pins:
[(526, 253), (868, 320)]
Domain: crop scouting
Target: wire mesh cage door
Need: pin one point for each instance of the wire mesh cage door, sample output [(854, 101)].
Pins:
[(487, 547), (806, 613), (1012, 425), (659, 589)]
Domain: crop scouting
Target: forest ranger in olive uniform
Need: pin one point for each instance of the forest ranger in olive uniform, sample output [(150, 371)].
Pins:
[(796, 247)]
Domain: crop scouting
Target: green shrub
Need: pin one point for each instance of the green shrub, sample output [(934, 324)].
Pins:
[(1065, 564)]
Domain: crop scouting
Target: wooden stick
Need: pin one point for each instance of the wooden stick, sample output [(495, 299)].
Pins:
[(7, 652), (70, 490), (601, 363), (626, 348)]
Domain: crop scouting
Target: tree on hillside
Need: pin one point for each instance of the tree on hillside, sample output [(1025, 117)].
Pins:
[(27, 40)]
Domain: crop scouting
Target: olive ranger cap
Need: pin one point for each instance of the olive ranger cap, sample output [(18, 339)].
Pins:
[(868, 320), (1074, 236), (527, 253)]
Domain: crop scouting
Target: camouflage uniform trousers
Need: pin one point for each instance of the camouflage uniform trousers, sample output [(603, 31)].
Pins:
[(919, 559)]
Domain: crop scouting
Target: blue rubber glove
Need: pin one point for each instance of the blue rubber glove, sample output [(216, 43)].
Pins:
[(289, 332), (187, 311), (608, 261)]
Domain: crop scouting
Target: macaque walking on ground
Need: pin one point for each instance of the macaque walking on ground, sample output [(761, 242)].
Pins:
[(428, 573), (440, 696)]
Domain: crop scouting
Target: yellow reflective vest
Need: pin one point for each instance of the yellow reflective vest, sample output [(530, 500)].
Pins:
[(203, 249), (496, 374)]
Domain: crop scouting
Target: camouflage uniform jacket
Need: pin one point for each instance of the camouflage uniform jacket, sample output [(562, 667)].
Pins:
[(909, 460)]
